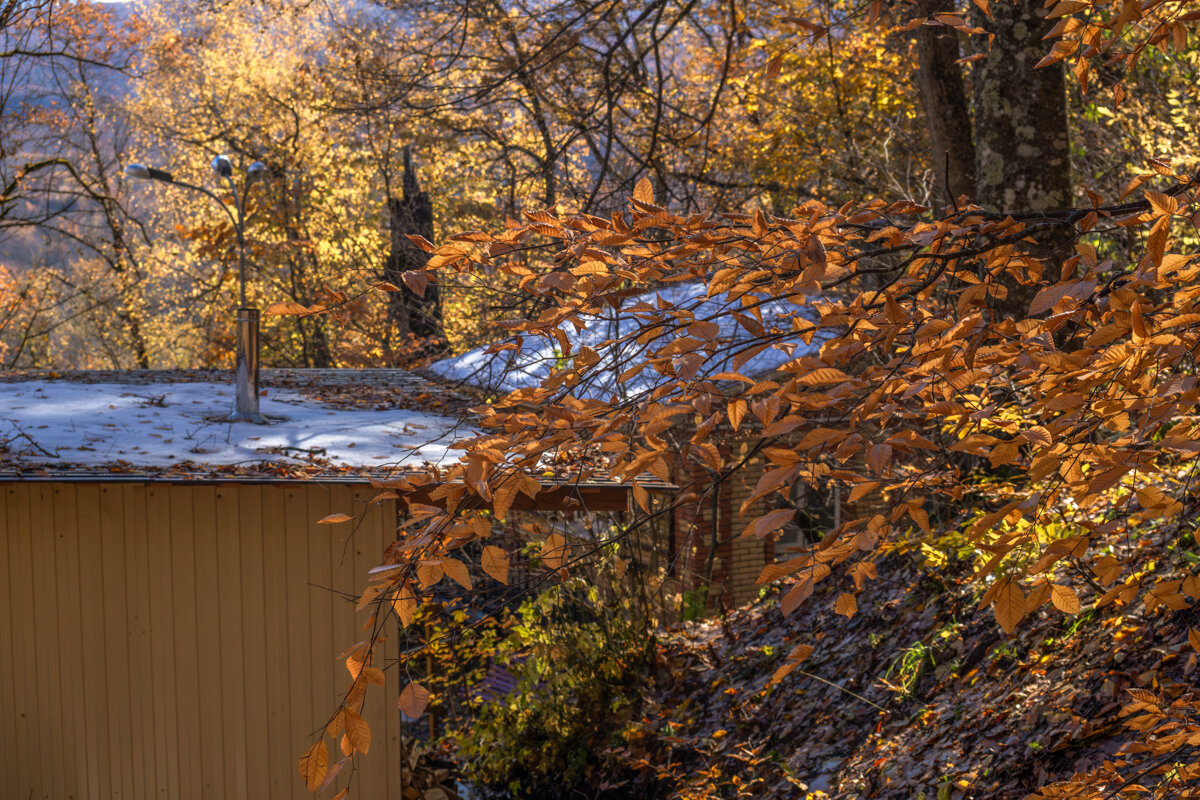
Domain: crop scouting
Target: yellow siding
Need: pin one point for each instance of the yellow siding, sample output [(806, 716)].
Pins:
[(177, 641)]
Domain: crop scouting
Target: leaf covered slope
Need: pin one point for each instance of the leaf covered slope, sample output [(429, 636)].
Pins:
[(919, 692)]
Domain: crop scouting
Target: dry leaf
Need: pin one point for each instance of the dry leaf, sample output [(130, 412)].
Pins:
[(413, 700)]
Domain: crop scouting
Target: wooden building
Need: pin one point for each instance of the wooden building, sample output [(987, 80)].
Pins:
[(172, 609)]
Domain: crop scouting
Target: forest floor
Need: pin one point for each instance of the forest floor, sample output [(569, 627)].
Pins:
[(919, 695)]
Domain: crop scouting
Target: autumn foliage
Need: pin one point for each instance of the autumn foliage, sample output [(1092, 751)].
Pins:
[(1018, 378)]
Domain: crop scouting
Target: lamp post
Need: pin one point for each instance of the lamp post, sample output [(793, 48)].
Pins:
[(246, 321)]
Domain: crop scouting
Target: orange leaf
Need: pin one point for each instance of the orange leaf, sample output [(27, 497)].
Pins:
[(358, 732), (413, 700), (314, 764), (846, 605), (495, 563), (333, 519), (416, 280), (644, 191), (503, 497), (554, 551), (458, 572), (1064, 599), (287, 308), (797, 595), (1010, 606), (1194, 639), (405, 604)]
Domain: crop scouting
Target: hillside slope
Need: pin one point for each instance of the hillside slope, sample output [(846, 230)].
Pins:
[(920, 694)]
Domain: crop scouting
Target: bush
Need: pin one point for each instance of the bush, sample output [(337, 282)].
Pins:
[(579, 665)]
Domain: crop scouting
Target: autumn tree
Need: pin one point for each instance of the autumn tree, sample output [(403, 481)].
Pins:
[(1047, 435)]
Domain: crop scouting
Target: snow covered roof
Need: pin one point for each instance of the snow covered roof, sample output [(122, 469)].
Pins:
[(134, 421), (614, 334)]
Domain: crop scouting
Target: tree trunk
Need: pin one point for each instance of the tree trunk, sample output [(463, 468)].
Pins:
[(415, 317), (1022, 144), (944, 99)]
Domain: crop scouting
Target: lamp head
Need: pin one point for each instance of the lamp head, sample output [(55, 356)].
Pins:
[(222, 166), (142, 172), (256, 171)]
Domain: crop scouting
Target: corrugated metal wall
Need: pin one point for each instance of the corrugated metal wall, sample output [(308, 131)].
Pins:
[(178, 641)]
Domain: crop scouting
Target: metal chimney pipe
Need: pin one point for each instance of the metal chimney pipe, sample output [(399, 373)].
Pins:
[(246, 368)]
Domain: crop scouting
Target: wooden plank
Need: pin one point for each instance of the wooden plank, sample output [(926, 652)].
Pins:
[(94, 676), (231, 618), (326, 643), (19, 719), (299, 637), (46, 731), (279, 733), (256, 718), (184, 594), (380, 522), (343, 631), (210, 644), (61, 498), (140, 654), (115, 630), (52, 668), (367, 551), (164, 699), (10, 598)]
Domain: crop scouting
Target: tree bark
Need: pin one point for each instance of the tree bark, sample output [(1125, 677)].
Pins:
[(414, 316), (1022, 141), (944, 100)]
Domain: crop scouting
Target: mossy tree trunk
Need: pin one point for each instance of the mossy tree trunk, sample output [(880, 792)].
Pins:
[(1022, 142)]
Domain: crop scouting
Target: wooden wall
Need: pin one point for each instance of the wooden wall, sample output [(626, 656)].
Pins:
[(179, 641)]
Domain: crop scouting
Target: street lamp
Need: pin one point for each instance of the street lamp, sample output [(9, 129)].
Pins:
[(246, 362)]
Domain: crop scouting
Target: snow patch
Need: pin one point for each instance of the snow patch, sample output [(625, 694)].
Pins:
[(48, 423), (613, 335)]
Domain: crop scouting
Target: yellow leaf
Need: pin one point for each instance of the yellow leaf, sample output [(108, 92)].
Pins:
[(458, 572), (358, 732), (413, 700), (314, 764), (1064, 599), (495, 563), (333, 519)]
